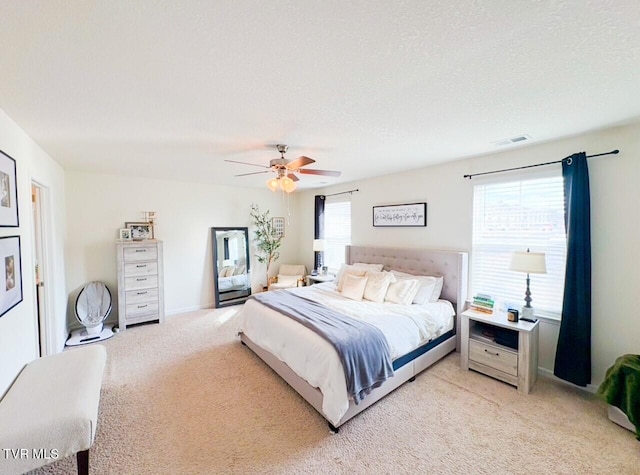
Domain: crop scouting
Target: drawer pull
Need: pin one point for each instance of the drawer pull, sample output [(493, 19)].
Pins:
[(141, 265), (142, 306), (491, 352), (141, 293), (141, 250), (141, 279)]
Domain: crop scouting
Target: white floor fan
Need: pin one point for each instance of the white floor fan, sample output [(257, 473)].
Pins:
[(92, 308)]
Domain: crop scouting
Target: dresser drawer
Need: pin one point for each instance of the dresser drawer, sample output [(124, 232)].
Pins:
[(495, 357), (140, 282), (140, 253), (139, 309), (140, 268), (141, 296), (141, 318)]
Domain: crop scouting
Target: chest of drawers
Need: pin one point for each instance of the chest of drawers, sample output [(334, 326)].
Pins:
[(140, 282)]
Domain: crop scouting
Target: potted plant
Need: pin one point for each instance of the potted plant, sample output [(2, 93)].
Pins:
[(267, 241)]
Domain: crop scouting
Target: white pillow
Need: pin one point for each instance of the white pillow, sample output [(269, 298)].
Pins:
[(430, 286), (435, 295), (289, 279), (403, 291), (349, 270), (239, 270), (353, 286), (377, 285)]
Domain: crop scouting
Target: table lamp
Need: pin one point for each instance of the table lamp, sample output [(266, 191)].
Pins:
[(319, 246), (531, 263)]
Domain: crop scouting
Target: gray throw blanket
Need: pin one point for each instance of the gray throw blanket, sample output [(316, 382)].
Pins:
[(362, 348)]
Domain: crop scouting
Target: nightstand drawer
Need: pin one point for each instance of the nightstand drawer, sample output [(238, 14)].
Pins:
[(494, 357)]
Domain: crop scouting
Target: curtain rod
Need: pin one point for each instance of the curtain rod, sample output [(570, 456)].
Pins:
[(613, 152), (343, 192)]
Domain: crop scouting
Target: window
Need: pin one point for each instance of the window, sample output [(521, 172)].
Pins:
[(337, 230), (519, 215)]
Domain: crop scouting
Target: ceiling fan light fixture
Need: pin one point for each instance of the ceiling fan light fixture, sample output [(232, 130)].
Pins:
[(273, 184), (287, 184)]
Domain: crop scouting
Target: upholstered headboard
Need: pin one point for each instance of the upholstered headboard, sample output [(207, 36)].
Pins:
[(453, 266)]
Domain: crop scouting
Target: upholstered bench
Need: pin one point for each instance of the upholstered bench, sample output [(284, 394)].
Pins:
[(51, 410)]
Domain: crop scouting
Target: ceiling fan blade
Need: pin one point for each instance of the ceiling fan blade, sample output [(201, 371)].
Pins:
[(299, 162), (293, 177), (247, 163), (311, 171), (253, 173)]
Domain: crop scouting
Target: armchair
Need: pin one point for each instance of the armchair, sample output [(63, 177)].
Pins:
[(289, 276)]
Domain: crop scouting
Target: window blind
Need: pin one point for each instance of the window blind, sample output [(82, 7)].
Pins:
[(516, 216), (337, 230)]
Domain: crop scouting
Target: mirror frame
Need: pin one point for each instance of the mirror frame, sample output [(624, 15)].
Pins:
[(214, 242)]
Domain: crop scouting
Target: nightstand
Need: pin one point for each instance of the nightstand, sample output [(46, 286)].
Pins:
[(316, 279), (504, 350)]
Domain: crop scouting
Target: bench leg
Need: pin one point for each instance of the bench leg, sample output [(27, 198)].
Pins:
[(83, 462)]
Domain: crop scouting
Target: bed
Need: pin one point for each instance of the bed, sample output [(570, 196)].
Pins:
[(233, 282), (310, 365)]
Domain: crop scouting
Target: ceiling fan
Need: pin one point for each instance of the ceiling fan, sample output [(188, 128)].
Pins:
[(285, 170)]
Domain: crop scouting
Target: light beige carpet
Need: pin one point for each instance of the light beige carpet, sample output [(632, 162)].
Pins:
[(186, 397)]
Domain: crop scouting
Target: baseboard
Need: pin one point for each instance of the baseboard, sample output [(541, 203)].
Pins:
[(176, 311), (547, 373)]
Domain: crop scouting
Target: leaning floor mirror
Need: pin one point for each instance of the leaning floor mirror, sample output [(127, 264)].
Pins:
[(231, 265)]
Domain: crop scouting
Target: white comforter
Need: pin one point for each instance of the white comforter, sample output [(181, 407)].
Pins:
[(314, 359)]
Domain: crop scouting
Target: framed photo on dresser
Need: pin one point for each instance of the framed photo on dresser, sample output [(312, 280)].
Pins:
[(8, 192), (140, 231)]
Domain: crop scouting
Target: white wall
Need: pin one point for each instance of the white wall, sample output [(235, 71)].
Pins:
[(18, 327), (98, 205), (615, 227)]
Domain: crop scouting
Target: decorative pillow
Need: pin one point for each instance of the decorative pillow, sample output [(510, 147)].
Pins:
[(377, 285), (435, 295), (349, 270), (291, 280), (361, 265), (353, 286), (227, 271), (403, 291), (239, 270)]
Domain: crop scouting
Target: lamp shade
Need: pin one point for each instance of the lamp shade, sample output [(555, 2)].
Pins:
[(319, 245), (529, 262), (273, 184)]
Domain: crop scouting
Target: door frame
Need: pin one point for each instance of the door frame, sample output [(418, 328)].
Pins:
[(42, 239)]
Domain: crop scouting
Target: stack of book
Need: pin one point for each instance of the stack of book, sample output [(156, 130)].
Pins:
[(482, 303)]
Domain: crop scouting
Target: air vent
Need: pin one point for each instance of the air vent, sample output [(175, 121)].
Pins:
[(512, 140)]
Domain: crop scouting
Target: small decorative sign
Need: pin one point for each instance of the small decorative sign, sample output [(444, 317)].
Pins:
[(407, 215)]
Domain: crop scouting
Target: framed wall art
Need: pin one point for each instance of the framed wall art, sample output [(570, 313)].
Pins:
[(8, 192), (140, 231), (11, 277), (407, 215), (278, 226)]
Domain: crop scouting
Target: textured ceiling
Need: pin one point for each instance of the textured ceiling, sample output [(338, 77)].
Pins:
[(169, 89)]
